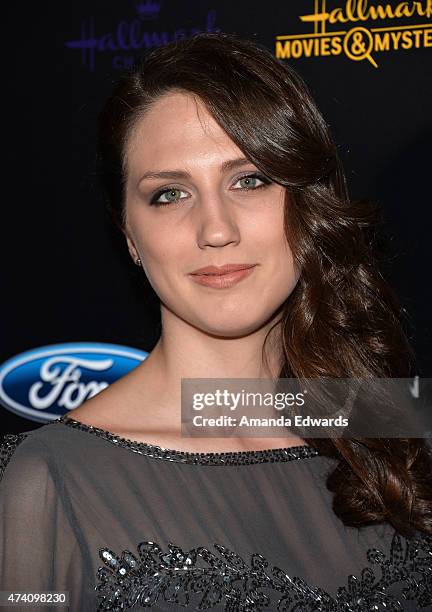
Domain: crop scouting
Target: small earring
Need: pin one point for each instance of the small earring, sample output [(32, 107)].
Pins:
[(138, 261)]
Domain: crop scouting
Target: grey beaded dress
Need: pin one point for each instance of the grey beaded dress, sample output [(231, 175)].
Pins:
[(126, 525)]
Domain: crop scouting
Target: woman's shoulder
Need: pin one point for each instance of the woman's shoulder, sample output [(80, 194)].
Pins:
[(40, 448), (26, 447), (8, 445), (46, 439)]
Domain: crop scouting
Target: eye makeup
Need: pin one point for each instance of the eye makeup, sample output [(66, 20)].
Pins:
[(174, 188)]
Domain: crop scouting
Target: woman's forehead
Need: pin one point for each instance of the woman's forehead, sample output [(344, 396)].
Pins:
[(177, 128)]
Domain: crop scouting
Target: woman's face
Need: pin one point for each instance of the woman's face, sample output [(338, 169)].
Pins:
[(190, 204)]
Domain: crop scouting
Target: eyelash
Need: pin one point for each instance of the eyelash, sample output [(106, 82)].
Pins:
[(158, 194)]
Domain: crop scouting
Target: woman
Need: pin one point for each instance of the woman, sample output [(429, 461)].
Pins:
[(213, 153)]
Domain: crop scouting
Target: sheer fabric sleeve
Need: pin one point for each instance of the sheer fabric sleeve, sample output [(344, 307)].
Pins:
[(37, 543)]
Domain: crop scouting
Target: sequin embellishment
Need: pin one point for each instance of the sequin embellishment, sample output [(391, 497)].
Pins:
[(227, 581), (223, 458), (8, 445)]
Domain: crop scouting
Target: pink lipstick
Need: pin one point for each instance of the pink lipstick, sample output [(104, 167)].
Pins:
[(222, 277)]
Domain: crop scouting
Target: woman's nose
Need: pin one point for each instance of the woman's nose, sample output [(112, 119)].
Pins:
[(216, 222)]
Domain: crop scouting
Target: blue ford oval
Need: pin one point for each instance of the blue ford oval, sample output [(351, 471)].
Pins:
[(44, 383)]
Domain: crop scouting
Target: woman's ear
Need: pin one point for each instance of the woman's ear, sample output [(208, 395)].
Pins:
[(131, 245)]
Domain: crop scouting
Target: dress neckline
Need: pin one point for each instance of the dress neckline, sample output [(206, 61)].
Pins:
[(247, 457)]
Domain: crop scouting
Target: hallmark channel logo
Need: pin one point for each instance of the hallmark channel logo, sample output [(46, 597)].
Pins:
[(44, 383), (129, 38), (350, 30)]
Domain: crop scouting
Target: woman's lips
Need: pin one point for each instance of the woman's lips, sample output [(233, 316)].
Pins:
[(222, 281)]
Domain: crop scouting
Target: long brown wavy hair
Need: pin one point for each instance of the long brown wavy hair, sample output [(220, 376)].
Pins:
[(343, 319)]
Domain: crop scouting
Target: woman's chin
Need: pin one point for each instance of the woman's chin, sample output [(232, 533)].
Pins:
[(231, 327)]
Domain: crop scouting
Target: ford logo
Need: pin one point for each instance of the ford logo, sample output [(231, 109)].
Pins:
[(44, 383)]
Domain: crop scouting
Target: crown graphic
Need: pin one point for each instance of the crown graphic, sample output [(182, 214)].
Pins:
[(149, 9)]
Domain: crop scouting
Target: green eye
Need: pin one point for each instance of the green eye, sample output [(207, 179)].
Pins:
[(167, 196), (172, 195), (248, 182), (252, 181)]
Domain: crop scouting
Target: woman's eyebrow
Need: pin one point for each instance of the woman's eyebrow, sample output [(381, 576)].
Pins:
[(229, 164)]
